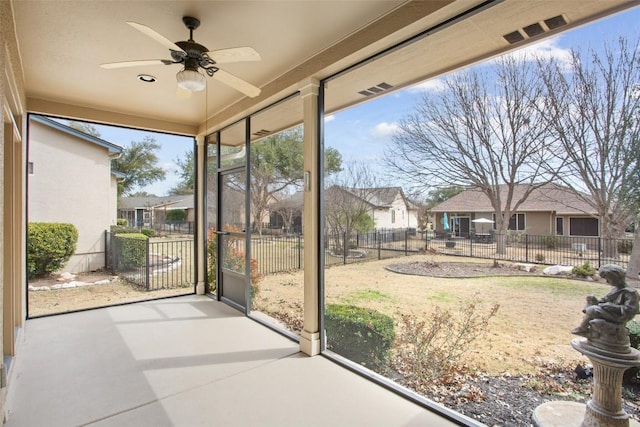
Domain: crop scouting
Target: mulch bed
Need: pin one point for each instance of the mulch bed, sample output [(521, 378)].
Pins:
[(460, 269)]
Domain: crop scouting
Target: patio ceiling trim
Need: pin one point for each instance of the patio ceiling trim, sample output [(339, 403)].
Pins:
[(68, 111)]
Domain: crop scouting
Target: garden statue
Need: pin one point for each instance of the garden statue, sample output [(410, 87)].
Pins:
[(608, 348), (605, 319)]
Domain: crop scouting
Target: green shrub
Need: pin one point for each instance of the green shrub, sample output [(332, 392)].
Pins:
[(132, 250), (540, 257), (49, 247), (362, 335), (122, 229), (632, 375), (122, 222), (584, 270), (550, 242), (176, 215), (149, 232), (625, 246)]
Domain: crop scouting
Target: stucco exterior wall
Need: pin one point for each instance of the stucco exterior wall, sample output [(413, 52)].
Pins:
[(538, 223), (72, 182)]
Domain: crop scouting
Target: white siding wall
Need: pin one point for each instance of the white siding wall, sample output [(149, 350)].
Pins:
[(403, 218)]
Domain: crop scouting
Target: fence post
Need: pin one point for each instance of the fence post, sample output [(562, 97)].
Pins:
[(526, 248), (379, 241), (471, 238), (344, 248), (299, 252), (114, 253), (599, 251), (146, 278), (406, 242)]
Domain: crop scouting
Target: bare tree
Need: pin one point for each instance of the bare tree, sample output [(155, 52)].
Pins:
[(595, 108), (289, 209), (347, 203), (484, 131)]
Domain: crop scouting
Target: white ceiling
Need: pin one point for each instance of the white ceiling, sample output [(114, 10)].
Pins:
[(62, 44)]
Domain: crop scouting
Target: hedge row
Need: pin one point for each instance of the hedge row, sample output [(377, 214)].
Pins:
[(132, 250)]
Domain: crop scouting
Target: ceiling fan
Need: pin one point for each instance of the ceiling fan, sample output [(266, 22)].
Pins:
[(196, 57)]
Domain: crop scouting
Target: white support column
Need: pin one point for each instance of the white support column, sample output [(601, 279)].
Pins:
[(201, 217), (310, 335)]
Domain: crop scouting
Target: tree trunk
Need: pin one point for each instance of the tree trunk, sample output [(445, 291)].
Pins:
[(609, 242), (633, 269)]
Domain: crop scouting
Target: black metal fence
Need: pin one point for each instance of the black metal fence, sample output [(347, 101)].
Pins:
[(276, 254), (537, 249), (162, 264), (284, 253)]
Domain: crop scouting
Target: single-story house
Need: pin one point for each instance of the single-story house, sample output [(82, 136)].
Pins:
[(150, 211), (387, 206), (70, 180), (549, 210)]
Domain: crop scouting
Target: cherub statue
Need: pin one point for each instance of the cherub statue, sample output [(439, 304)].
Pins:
[(618, 306)]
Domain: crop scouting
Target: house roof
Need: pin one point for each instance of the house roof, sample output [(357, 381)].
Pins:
[(383, 196), (292, 202), (154, 202), (550, 197), (113, 148)]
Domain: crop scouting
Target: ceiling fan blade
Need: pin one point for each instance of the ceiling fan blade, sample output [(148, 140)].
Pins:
[(156, 36), (234, 54), (237, 83), (138, 63)]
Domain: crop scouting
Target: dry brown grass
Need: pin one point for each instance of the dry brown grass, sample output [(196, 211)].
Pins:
[(532, 324), (65, 300)]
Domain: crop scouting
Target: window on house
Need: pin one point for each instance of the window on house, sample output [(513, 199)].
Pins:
[(517, 222), (393, 216), (30, 168), (560, 226), (583, 227)]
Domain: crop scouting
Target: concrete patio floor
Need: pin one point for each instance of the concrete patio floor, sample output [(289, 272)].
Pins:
[(187, 361)]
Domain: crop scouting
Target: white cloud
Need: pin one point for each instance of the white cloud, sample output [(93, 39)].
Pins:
[(433, 85), (545, 49), (329, 118), (384, 129), (170, 168)]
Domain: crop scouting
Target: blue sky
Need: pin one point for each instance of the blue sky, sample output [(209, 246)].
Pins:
[(173, 147), (362, 132)]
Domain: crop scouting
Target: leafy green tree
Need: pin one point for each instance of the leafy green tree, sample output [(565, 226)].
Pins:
[(176, 215), (277, 163), (142, 194), (364, 224), (139, 164), (186, 172), (84, 127), (439, 195)]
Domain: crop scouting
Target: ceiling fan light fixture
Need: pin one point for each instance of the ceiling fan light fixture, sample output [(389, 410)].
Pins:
[(191, 80)]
